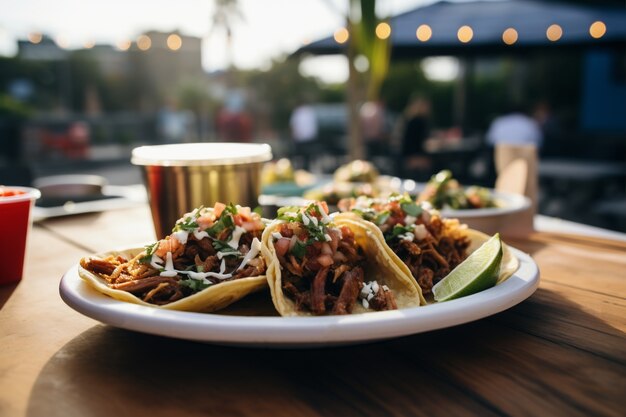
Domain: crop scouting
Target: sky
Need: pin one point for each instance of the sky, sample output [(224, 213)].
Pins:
[(268, 28)]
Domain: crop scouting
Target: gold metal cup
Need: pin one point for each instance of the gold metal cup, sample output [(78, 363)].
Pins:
[(181, 177)]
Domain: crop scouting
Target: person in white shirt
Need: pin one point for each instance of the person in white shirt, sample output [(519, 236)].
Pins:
[(515, 128), (516, 138), (304, 131)]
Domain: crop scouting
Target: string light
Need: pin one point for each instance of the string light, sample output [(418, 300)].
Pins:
[(144, 42), (62, 42), (124, 45), (424, 33), (509, 36), (554, 32), (465, 34), (341, 35), (383, 30), (597, 29), (174, 42), (35, 37), (89, 44)]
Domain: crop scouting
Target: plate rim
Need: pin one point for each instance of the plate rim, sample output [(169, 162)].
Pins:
[(265, 331)]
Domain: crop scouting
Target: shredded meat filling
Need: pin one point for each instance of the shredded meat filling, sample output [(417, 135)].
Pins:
[(352, 281), (315, 284), (142, 280)]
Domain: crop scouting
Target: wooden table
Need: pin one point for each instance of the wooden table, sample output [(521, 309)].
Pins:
[(561, 352)]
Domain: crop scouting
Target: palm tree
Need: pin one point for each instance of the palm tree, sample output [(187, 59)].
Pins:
[(226, 12)]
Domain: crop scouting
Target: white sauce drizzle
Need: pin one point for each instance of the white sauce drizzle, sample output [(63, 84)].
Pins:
[(169, 267), (254, 251), (199, 235), (234, 240), (155, 261), (181, 236)]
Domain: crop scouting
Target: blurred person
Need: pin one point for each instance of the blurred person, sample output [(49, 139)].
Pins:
[(416, 130), (234, 124), (550, 129), (173, 124), (304, 131), (372, 115), (515, 128), (517, 136)]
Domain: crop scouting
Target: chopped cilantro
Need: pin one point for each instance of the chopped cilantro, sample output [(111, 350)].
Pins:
[(231, 208), (282, 213), (222, 223), (299, 249), (397, 231), (411, 208), (258, 210), (150, 249), (225, 248), (381, 218), (194, 284)]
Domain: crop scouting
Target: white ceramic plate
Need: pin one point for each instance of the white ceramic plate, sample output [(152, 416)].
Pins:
[(507, 204), (300, 331)]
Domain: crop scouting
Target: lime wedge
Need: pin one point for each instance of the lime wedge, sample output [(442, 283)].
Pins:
[(478, 272)]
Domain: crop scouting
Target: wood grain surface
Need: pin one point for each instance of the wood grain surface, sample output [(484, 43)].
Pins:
[(562, 352)]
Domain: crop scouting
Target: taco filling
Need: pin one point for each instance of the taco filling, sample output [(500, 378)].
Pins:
[(207, 247), (322, 267), (429, 245)]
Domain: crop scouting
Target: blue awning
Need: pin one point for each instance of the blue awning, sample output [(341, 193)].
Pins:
[(488, 20)]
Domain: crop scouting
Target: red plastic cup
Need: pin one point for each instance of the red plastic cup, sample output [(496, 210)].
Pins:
[(16, 205)]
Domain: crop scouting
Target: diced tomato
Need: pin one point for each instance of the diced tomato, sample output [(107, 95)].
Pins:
[(346, 232), (246, 213), (324, 206), (253, 225), (204, 222), (282, 246), (218, 209), (238, 220), (169, 244)]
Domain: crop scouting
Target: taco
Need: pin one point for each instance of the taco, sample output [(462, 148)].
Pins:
[(421, 242), (316, 266), (211, 259)]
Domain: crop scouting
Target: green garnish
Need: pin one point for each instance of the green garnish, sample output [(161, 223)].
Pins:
[(315, 227), (150, 249), (188, 223), (222, 223), (231, 208), (282, 213), (225, 248), (381, 218), (194, 284), (411, 209), (299, 248), (397, 231)]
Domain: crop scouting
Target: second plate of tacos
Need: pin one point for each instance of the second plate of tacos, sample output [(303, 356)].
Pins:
[(211, 259), (420, 242), (320, 267)]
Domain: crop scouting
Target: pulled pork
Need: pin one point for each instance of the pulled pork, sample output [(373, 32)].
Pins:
[(145, 282), (433, 257), (329, 277)]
